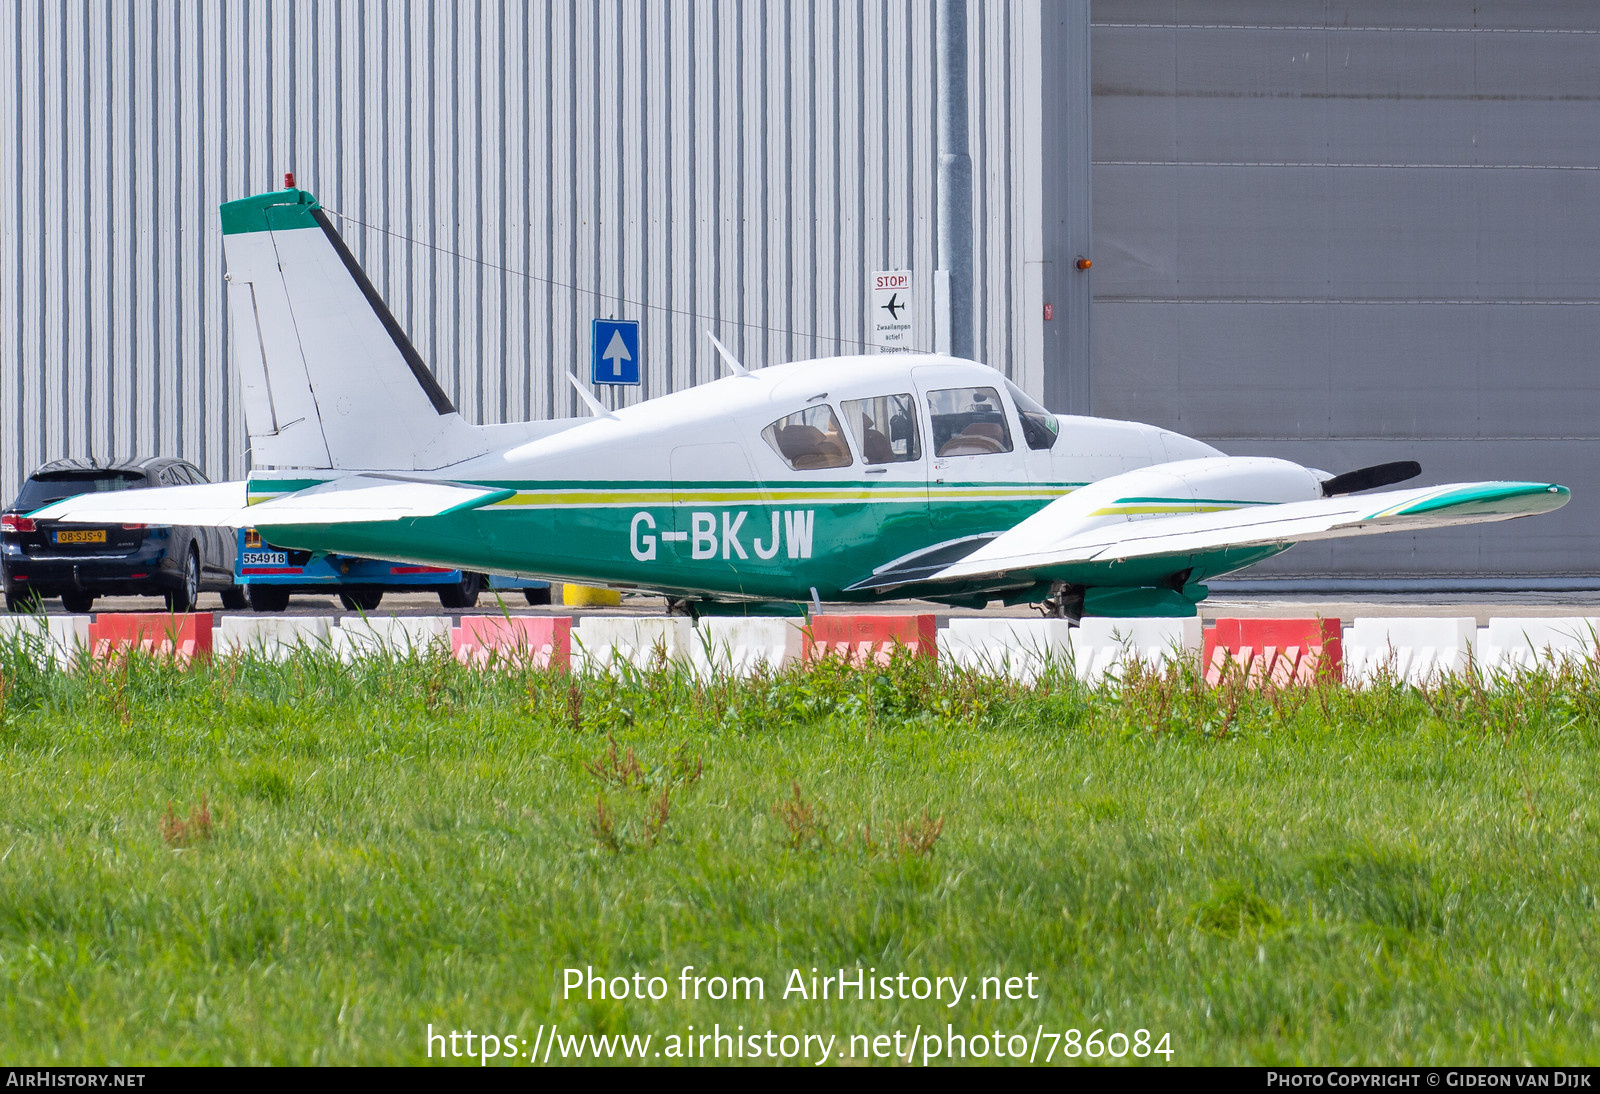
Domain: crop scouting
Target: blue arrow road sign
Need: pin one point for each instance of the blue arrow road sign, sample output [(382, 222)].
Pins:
[(614, 351)]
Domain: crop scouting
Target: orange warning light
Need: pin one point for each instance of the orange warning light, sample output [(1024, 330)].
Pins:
[(1084, 263)]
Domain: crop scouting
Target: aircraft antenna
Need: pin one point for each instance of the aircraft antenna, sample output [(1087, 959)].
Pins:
[(733, 362), (588, 399)]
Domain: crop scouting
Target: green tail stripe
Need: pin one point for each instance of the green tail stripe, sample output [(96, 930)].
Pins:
[(274, 211)]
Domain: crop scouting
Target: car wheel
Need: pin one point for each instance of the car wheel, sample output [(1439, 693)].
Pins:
[(361, 600), (20, 603), (233, 598), (267, 598), (183, 598), (537, 597), (464, 593), (77, 603)]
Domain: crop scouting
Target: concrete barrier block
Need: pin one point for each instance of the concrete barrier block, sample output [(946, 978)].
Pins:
[(1023, 649), (161, 634), (532, 641), (1520, 645), (870, 639), (745, 645), (1413, 651), (271, 636), (390, 636), (603, 643), (1104, 649), (1279, 652), (56, 640)]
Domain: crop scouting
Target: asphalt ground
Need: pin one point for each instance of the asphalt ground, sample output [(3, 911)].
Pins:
[(1343, 606)]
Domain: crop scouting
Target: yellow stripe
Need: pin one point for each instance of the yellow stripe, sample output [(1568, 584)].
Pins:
[(533, 499), (596, 498), (1132, 510)]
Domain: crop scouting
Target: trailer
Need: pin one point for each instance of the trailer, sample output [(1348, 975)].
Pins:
[(270, 574)]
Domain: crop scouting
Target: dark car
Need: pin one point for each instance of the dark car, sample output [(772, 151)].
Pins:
[(79, 562)]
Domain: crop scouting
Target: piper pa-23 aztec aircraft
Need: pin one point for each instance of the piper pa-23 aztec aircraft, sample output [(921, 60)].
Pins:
[(844, 479)]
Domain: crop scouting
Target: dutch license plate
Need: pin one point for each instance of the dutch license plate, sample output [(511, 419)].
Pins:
[(266, 558), (82, 535)]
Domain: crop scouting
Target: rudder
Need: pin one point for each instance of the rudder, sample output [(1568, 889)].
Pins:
[(329, 378)]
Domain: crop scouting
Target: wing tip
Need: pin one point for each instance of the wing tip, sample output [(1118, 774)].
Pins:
[(1507, 498)]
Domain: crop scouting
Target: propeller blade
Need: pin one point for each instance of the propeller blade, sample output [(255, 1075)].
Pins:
[(1369, 478)]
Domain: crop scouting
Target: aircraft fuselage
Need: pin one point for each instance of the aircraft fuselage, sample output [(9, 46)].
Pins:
[(793, 481)]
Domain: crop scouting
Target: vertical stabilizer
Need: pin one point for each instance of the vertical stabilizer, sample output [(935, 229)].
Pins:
[(329, 378)]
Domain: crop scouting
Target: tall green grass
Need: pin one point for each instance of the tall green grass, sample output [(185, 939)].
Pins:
[(1315, 875)]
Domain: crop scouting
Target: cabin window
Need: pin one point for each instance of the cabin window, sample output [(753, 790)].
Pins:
[(968, 421), (1039, 427), (885, 428), (809, 439)]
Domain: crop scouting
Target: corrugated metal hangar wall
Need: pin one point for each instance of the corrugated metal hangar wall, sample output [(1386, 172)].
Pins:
[(737, 166), (1351, 232)]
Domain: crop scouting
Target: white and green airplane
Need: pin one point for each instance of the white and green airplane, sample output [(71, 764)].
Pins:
[(843, 479)]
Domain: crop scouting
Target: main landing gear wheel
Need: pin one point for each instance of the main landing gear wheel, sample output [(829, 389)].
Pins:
[(267, 598), (183, 598), (77, 603), (1064, 602), (361, 600), (537, 597)]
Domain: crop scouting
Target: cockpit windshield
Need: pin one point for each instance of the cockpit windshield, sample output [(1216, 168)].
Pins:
[(1039, 427)]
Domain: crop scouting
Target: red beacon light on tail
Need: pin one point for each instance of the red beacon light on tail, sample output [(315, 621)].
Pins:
[(288, 180)]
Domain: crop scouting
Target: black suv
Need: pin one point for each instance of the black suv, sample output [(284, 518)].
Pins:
[(78, 562)]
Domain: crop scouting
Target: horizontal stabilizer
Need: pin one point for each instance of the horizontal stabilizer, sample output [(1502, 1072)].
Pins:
[(1260, 525), (347, 500), (210, 505)]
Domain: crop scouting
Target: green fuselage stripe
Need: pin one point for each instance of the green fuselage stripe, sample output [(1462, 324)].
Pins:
[(770, 542)]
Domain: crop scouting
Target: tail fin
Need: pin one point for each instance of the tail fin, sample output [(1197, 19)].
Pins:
[(329, 378)]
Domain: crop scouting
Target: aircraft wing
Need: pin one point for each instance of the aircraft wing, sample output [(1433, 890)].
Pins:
[(350, 499), (1033, 547)]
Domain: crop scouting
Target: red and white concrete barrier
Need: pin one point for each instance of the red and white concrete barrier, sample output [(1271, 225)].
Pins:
[(519, 641), (159, 634), (870, 639), (1274, 651)]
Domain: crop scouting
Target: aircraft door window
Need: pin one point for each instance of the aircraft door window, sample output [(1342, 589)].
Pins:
[(968, 421), (1039, 427), (809, 439), (885, 428)]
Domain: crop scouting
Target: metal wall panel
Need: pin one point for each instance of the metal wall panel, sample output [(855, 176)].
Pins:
[(1353, 232), (506, 171)]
